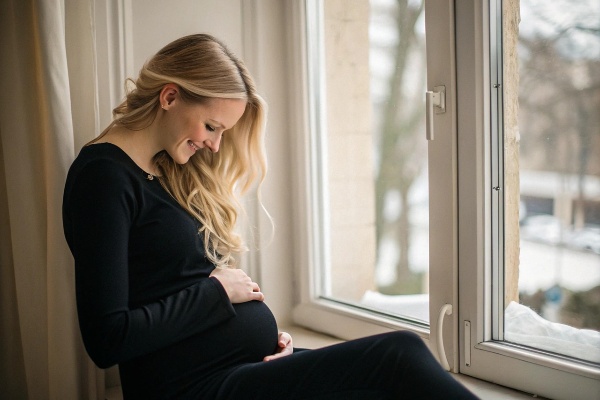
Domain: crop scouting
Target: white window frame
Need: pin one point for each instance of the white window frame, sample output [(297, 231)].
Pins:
[(310, 217), (483, 355), (460, 203), (323, 314)]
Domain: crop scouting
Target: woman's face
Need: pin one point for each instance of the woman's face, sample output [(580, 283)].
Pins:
[(190, 127)]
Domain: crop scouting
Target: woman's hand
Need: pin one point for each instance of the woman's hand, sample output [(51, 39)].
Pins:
[(285, 347), (239, 287)]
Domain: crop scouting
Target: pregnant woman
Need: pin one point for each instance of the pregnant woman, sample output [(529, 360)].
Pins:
[(149, 213)]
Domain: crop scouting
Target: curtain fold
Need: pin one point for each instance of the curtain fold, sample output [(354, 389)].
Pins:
[(41, 352)]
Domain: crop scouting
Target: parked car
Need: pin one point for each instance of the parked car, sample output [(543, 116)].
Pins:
[(587, 238), (544, 228)]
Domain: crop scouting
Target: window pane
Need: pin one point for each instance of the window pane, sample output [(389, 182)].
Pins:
[(376, 175), (552, 158)]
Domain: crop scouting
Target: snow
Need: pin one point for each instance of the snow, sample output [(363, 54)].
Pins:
[(522, 325)]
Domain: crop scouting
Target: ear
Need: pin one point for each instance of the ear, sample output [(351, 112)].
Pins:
[(168, 94)]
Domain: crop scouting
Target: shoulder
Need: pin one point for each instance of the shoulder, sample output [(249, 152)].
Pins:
[(103, 170), (100, 189), (103, 161)]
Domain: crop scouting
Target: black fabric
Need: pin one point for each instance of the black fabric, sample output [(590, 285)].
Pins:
[(145, 301), (144, 296), (390, 366)]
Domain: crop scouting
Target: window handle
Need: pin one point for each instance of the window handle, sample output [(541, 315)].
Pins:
[(445, 310), (435, 101)]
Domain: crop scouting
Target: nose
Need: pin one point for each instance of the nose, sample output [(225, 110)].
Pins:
[(214, 144)]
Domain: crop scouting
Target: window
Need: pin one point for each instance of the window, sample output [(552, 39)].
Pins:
[(479, 195), (551, 135), (510, 225), (375, 164), (370, 197)]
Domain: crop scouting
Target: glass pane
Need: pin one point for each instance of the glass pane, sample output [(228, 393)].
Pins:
[(553, 270), (376, 176)]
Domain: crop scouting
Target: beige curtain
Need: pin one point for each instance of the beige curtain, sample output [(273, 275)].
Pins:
[(46, 78)]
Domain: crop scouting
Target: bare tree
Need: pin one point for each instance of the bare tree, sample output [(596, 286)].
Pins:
[(560, 98), (402, 158)]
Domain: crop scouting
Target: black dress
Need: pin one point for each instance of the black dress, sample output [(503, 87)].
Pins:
[(145, 301)]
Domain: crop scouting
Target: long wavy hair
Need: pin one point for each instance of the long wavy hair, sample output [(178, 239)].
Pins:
[(207, 186)]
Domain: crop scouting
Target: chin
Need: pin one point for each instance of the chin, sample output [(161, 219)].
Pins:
[(181, 158)]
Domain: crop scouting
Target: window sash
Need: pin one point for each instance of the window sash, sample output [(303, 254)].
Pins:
[(481, 280), (466, 215), (315, 309)]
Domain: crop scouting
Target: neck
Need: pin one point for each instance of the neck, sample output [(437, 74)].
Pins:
[(140, 145)]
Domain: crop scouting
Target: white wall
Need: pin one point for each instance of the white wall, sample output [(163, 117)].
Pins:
[(155, 23)]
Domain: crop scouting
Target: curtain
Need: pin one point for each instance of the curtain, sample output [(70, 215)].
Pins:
[(46, 76)]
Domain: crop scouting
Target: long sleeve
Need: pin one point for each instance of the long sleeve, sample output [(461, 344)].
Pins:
[(101, 204)]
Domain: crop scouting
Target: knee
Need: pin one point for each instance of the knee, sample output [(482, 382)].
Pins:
[(408, 337), (406, 342)]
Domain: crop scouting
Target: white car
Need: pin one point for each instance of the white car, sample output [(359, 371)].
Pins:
[(587, 238), (544, 228)]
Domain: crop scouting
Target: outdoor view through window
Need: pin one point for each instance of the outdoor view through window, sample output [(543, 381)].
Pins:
[(398, 85), (376, 205), (555, 155), (377, 182)]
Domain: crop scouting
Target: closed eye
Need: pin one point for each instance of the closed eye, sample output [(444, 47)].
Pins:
[(209, 128)]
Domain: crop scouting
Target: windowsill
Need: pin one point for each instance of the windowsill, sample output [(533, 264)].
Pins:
[(485, 390)]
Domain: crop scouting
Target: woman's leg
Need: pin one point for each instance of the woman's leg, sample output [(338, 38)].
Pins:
[(390, 366)]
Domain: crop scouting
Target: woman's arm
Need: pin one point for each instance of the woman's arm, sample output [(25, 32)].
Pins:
[(99, 207)]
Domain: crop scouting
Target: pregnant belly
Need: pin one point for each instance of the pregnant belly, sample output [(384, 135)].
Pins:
[(248, 337)]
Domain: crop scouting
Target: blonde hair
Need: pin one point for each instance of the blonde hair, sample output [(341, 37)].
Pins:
[(206, 186)]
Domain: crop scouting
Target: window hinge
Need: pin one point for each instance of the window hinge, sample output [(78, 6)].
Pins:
[(468, 343)]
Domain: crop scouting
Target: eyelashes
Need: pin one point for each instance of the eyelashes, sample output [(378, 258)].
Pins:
[(211, 128)]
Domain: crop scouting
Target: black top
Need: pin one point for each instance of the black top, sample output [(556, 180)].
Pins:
[(144, 296)]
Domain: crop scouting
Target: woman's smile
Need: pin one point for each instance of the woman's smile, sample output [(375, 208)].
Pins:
[(193, 146)]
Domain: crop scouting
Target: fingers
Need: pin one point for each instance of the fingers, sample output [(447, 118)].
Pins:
[(285, 347), (258, 296), (283, 353), (239, 287), (285, 339)]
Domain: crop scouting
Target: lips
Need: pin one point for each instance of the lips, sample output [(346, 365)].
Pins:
[(193, 146)]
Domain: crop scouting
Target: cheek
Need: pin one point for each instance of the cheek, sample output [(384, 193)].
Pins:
[(189, 130)]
